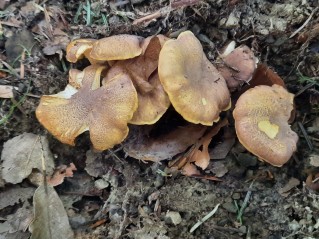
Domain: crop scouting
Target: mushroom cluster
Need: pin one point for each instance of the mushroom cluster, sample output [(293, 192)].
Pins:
[(134, 80)]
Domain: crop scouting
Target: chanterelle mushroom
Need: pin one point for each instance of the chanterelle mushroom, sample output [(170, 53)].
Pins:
[(261, 121), (103, 110), (194, 86)]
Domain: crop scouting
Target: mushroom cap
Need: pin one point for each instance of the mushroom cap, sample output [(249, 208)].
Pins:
[(100, 109), (152, 99), (261, 120), (79, 48), (237, 67), (194, 86), (151, 105), (119, 47)]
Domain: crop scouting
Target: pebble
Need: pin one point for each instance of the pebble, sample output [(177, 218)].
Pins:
[(236, 196), (173, 217), (230, 207)]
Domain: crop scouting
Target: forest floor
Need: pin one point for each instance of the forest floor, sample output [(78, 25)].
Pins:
[(114, 196)]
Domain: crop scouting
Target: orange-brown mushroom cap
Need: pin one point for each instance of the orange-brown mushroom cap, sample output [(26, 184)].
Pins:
[(103, 110), (152, 99), (79, 48), (261, 121), (237, 67), (194, 86), (119, 47)]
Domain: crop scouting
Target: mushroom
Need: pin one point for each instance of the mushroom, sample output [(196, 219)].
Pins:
[(194, 86), (103, 110), (119, 47), (261, 120), (152, 99), (238, 66), (78, 49)]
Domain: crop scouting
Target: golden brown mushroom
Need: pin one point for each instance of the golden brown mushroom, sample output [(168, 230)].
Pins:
[(79, 48), (119, 47), (152, 99), (237, 67), (194, 86), (261, 121), (103, 110)]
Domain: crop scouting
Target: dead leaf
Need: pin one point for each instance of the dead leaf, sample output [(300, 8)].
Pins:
[(166, 146), (18, 162), (312, 182), (21, 219), (6, 91), (221, 150), (199, 157), (263, 76), (96, 165), (50, 218), (285, 190), (60, 173), (14, 195)]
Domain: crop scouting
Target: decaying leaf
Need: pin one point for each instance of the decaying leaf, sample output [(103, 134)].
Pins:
[(21, 219), (196, 156), (23, 153), (6, 91), (60, 173), (285, 190), (14, 195), (312, 182), (50, 218), (221, 150), (166, 146)]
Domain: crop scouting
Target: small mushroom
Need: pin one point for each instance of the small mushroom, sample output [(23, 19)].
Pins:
[(194, 86), (119, 47), (238, 66), (78, 49), (103, 110), (152, 99), (261, 120)]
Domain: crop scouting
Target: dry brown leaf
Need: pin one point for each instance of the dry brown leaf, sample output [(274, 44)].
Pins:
[(6, 91), (18, 162), (285, 190), (60, 173), (50, 218), (312, 182), (199, 157), (15, 195), (166, 146)]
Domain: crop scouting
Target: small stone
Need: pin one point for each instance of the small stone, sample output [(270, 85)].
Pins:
[(101, 184), (232, 21), (236, 196), (243, 229), (173, 217), (230, 207), (314, 160), (294, 225)]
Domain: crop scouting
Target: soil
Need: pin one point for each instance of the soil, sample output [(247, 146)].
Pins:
[(138, 201)]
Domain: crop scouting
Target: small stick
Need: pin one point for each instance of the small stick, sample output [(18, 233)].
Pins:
[(302, 128), (201, 221), (305, 23)]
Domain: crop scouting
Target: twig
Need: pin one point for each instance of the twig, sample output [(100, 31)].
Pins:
[(305, 23), (165, 10), (304, 132), (201, 221)]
